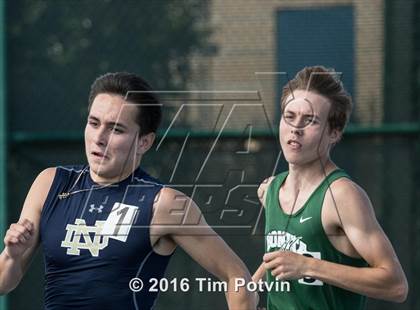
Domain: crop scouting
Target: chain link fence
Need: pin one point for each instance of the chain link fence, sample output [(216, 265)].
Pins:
[(55, 49)]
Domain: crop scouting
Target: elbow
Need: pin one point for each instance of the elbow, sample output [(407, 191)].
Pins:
[(242, 274), (401, 292), (396, 287), (398, 292), (238, 271)]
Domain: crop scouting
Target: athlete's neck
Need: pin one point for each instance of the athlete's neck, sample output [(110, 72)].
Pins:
[(107, 179), (303, 177)]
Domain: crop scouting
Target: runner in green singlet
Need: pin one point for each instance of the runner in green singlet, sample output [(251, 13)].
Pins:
[(321, 233)]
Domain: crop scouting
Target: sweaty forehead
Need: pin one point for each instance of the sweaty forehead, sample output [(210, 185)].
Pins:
[(113, 108), (303, 102)]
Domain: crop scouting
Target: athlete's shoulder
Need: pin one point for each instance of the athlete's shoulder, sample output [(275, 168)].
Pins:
[(265, 184), (169, 200), (45, 177), (166, 213), (346, 187), (40, 188), (168, 197), (44, 181), (71, 169), (141, 176), (348, 195), (263, 188)]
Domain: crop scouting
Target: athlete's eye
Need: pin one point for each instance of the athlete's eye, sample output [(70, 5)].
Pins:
[(309, 120), (117, 130), (93, 123)]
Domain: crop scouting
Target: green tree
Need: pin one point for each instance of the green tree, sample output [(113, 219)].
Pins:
[(56, 49)]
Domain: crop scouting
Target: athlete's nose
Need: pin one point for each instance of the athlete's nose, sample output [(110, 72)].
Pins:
[(298, 127), (100, 136), (300, 123), (297, 131)]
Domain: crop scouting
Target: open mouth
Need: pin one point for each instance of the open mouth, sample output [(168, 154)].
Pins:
[(99, 155), (294, 144)]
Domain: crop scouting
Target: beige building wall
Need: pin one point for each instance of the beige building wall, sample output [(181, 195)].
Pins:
[(244, 35)]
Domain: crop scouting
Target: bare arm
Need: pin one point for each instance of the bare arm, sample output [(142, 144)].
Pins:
[(383, 279), (189, 230), (263, 188), (22, 238), (262, 194)]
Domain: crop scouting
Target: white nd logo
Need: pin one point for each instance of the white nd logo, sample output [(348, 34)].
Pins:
[(117, 226), (77, 231)]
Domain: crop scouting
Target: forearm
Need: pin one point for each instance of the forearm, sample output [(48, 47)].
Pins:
[(238, 297), (375, 282), (10, 273)]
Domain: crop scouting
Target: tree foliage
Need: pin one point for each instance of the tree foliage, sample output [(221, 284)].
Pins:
[(57, 48)]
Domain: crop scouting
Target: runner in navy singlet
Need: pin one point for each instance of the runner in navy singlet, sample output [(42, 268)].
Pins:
[(102, 224)]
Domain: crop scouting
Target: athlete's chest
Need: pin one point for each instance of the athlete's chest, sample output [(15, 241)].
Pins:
[(101, 226), (291, 202)]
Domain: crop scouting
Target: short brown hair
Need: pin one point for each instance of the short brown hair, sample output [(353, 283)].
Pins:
[(133, 89), (324, 82)]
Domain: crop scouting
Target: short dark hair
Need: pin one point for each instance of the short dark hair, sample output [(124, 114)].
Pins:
[(324, 82), (135, 90)]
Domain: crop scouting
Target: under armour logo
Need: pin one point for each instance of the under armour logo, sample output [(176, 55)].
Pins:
[(98, 209)]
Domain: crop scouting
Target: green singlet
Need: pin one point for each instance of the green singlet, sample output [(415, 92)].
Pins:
[(305, 235)]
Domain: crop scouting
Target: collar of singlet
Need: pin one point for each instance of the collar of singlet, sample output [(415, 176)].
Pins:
[(136, 174)]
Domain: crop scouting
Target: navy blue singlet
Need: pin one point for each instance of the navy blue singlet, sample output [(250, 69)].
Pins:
[(95, 241)]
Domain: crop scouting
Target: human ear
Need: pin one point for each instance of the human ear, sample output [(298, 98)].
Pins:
[(335, 136), (145, 142)]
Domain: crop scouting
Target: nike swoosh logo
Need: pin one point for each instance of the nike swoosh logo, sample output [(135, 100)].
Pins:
[(302, 220)]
